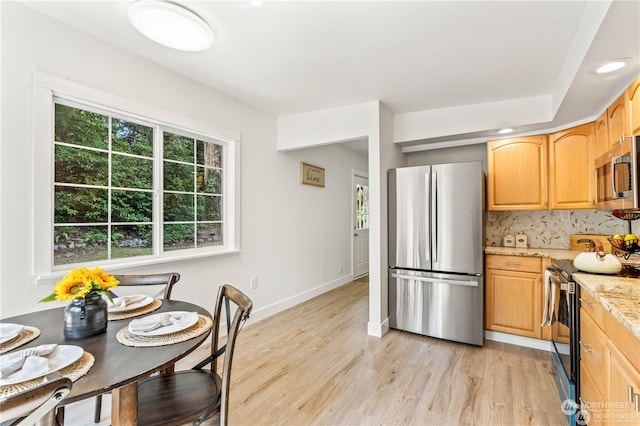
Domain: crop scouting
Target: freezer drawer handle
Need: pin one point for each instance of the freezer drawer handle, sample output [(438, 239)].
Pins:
[(435, 280)]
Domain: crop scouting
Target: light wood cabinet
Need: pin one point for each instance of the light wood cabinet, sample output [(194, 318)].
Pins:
[(609, 366), (571, 170), (634, 106), (513, 295), (593, 347), (618, 120), (593, 357), (601, 133), (518, 171), (624, 387)]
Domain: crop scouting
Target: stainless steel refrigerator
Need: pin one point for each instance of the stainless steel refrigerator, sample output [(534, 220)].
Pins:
[(436, 216)]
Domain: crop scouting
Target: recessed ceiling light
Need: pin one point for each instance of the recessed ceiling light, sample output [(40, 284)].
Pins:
[(504, 131), (171, 25), (610, 67)]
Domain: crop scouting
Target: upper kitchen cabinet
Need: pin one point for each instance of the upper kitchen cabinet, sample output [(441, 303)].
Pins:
[(571, 157), (618, 120), (634, 105), (601, 133), (518, 170)]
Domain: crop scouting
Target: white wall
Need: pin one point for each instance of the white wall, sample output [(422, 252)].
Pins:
[(455, 154), (293, 236), (328, 126), (375, 121), (385, 156)]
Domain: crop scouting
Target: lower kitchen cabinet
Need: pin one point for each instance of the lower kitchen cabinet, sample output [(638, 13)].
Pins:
[(591, 399), (593, 374), (609, 362), (513, 295), (624, 389)]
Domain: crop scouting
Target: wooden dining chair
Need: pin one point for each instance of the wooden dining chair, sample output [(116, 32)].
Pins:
[(35, 406), (168, 280), (200, 393)]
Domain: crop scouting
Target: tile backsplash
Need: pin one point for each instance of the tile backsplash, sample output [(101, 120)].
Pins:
[(551, 228)]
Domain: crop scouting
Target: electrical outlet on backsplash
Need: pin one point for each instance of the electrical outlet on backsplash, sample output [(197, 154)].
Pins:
[(552, 228)]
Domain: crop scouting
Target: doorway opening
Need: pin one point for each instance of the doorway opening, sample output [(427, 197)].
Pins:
[(360, 206)]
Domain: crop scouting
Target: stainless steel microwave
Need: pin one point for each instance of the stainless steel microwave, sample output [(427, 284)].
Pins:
[(616, 175)]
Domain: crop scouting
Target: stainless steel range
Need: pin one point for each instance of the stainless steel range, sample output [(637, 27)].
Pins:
[(566, 357)]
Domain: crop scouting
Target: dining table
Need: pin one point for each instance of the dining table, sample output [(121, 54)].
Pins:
[(117, 367)]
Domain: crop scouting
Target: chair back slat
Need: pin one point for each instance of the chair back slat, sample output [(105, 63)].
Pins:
[(168, 279)]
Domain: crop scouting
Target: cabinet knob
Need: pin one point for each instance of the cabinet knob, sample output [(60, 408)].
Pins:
[(630, 393), (637, 402)]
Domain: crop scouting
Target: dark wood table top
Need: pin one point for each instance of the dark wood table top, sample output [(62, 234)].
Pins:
[(115, 365)]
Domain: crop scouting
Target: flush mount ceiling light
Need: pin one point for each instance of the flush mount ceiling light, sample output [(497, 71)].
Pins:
[(610, 67), (171, 25), (504, 131)]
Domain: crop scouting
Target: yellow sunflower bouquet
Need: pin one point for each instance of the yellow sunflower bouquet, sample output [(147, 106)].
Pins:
[(80, 282)]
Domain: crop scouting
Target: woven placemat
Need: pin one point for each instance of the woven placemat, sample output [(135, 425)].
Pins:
[(127, 338), (26, 335), (114, 316), (73, 371)]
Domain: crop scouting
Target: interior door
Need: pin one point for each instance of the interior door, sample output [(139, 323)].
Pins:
[(360, 226)]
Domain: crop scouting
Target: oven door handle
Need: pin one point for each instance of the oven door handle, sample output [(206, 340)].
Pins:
[(569, 287)]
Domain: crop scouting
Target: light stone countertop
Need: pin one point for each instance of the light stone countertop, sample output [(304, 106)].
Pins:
[(532, 252), (620, 296)]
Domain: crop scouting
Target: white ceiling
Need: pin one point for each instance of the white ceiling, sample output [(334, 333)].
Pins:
[(286, 57)]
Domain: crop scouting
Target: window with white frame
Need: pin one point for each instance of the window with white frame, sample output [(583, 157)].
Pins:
[(129, 190)]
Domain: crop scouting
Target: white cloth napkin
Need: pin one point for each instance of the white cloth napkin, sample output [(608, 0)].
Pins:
[(8, 331), (120, 303), (28, 365), (153, 322)]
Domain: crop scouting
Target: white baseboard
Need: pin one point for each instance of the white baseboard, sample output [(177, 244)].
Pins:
[(274, 308), (512, 339), (378, 330)]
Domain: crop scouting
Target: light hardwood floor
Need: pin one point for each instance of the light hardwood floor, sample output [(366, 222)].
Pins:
[(315, 364)]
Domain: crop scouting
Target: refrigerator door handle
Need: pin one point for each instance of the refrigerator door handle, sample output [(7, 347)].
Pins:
[(434, 217), (436, 280)]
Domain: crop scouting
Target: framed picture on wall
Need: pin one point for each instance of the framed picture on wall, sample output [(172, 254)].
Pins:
[(311, 175)]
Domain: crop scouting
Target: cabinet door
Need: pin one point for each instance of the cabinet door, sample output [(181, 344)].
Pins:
[(517, 177), (634, 105), (617, 120), (571, 167), (622, 375), (593, 349), (591, 400), (601, 132), (513, 302)]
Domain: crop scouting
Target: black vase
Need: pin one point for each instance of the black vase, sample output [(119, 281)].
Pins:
[(85, 317)]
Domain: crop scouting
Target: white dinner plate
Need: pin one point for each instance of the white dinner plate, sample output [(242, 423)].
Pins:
[(62, 356), (132, 307), (190, 320), (9, 331)]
